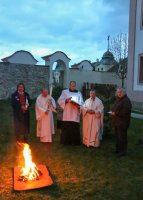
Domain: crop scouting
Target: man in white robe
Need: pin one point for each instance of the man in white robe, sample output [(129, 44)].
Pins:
[(92, 120), (70, 101), (45, 106)]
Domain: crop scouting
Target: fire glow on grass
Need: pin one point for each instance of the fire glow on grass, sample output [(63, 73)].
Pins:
[(29, 170)]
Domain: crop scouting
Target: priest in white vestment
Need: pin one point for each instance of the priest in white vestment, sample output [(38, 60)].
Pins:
[(92, 113), (45, 106), (70, 101)]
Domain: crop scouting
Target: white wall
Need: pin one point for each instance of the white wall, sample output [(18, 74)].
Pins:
[(138, 47), (85, 65), (93, 77)]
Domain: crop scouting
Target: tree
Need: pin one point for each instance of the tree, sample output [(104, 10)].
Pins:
[(119, 48)]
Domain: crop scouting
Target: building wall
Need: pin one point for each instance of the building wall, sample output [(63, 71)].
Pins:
[(63, 61), (138, 47), (134, 89), (35, 77), (85, 65), (93, 77)]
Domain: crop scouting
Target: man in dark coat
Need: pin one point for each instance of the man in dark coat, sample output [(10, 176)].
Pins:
[(20, 102), (121, 114)]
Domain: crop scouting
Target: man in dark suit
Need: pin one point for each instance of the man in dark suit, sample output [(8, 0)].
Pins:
[(121, 114)]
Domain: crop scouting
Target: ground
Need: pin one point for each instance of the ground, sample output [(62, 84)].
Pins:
[(79, 173)]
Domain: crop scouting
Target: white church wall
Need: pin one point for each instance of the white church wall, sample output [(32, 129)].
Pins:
[(93, 77), (85, 65)]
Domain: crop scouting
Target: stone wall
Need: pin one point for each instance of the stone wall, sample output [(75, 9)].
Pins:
[(35, 77)]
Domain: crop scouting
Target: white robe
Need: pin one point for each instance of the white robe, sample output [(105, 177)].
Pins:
[(70, 112), (45, 122), (92, 125)]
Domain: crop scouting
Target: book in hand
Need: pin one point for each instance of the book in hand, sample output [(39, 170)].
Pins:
[(74, 102)]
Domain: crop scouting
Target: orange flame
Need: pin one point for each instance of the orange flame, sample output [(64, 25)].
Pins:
[(30, 171)]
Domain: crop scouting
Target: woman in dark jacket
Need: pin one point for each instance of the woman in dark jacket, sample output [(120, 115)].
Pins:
[(121, 114), (20, 103)]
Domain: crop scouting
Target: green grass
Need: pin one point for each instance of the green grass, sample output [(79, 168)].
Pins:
[(79, 173)]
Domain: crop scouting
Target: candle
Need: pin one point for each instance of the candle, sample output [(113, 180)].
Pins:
[(51, 89)]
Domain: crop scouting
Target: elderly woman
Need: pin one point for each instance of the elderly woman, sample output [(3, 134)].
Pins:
[(20, 102)]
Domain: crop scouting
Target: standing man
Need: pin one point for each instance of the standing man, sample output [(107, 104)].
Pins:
[(121, 114), (92, 120), (20, 102), (70, 101), (45, 106)]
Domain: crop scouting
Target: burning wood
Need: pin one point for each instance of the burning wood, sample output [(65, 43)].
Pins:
[(29, 170), (30, 176)]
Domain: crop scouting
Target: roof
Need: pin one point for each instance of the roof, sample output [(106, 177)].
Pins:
[(77, 64), (7, 58), (48, 56), (108, 54)]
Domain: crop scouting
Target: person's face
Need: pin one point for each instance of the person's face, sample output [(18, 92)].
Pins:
[(44, 93), (20, 88), (120, 93), (72, 86), (92, 95)]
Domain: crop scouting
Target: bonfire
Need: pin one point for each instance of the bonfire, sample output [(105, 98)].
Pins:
[(28, 175), (29, 171)]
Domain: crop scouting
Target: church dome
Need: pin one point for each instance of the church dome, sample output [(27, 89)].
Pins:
[(108, 54), (107, 58)]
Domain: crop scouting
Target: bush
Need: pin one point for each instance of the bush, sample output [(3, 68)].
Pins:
[(57, 92)]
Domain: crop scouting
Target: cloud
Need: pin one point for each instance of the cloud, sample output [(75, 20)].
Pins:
[(78, 28)]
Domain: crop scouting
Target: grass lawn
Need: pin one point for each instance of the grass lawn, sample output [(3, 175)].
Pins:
[(79, 173)]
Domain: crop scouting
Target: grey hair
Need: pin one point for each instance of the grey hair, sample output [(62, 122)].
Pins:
[(92, 90), (123, 90), (73, 82)]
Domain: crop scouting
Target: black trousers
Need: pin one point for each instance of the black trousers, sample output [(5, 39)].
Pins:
[(70, 134), (21, 125), (121, 140)]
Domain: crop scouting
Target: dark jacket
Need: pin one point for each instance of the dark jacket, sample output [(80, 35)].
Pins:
[(15, 101), (21, 119), (122, 109)]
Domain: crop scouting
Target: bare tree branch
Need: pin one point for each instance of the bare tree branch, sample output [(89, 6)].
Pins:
[(119, 48)]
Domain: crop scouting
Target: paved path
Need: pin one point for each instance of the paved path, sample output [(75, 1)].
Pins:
[(135, 115)]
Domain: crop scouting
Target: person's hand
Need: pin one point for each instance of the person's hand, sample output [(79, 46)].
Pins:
[(68, 100), (24, 108), (113, 113), (49, 101), (75, 104)]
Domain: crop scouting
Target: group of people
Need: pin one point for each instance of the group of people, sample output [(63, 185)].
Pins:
[(70, 109)]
